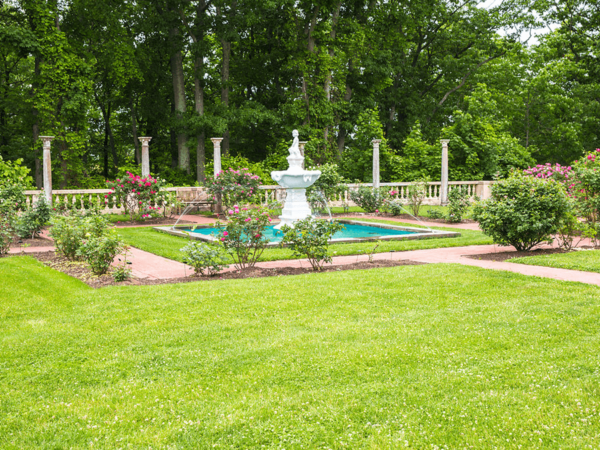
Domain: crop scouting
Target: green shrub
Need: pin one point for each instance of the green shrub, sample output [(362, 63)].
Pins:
[(243, 236), (310, 238), (100, 252), (369, 199), (522, 211), (435, 214), (14, 172), (458, 204), (30, 223), (204, 257), (417, 193), (585, 186), (122, 272), (7, 232), (12, 197), (396, 207), (234, 187), (71, 230)]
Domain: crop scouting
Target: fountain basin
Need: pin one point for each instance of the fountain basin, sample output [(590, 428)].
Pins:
[(296, 180), (356, 231)]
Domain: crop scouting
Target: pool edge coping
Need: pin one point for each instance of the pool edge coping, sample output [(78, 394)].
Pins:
[(420, 233)]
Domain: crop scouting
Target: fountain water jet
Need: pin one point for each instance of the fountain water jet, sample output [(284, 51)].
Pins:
[(295, 180)]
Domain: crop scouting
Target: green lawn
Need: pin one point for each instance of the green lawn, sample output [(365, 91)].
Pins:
[(168, 246), (435, 356), (586, 260)]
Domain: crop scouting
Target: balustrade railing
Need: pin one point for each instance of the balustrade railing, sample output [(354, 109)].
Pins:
[(83, 198)]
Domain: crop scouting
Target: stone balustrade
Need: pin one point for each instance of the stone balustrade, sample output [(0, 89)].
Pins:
[(81, 198)]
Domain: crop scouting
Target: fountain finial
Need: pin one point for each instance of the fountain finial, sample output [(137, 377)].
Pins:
[(295, 148)]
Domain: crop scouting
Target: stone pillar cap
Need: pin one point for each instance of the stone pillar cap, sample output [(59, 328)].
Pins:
[(376, 141), (219, 139), (444, 141)]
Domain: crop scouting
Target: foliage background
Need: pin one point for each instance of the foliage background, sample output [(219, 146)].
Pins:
[(97, 75)]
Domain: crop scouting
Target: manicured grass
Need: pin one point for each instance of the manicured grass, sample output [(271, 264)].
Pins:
[(586, 260), (436, 356), (168, 246)]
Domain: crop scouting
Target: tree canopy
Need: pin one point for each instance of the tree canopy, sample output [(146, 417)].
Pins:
[(98, 75)]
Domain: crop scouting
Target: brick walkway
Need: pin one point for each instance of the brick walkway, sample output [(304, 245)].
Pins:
[(149, 265)]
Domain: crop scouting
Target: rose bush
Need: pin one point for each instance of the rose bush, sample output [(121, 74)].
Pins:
[(585, 188), (140, 196), (243, 236), (310, 238), (234, 187)]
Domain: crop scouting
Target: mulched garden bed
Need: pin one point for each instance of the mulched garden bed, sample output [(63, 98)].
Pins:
[(37, 242), (503, 256), (81, 271)]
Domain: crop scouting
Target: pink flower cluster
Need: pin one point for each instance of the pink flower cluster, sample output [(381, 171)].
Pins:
[(546, 171)]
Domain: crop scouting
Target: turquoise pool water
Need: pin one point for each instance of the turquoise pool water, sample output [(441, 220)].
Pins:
[(351, 231)]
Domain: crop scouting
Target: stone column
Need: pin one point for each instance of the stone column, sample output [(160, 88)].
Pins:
[(145, 156), (47, 168), (376, 143), (301, 145), (444, 187), (217, 155), (217, 167)]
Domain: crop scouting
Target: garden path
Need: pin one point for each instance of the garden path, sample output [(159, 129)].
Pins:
[(149, 265)]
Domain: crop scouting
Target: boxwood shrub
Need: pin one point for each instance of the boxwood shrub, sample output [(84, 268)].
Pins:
[(523, 211)]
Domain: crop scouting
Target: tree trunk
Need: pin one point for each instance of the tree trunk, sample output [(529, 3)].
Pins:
[(225, 90), (39, 180), (136, 142), (199, 97), (183, 152), (341, 142), (105, 151), (111, 138)]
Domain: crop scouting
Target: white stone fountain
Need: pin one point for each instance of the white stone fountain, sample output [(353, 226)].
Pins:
[(295, 180)]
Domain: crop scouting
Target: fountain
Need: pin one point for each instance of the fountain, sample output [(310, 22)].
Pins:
[(295, 180)]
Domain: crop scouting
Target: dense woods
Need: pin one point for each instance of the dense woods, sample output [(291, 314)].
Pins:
[(100, 74)]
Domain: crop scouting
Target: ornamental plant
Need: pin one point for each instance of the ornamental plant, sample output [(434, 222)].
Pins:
[(243, 235), (370, 199), (6, 231), (417, 193), (458, 204), (100, 251), (70, 231), (204, 257), (585, 188), (310, 238), (140, 196), (523, 211), (12, 197), (30, 223), (234, 187)]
